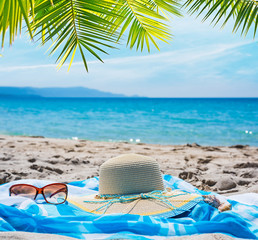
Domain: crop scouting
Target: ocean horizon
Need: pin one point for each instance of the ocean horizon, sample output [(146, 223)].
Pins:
[(205, 121)]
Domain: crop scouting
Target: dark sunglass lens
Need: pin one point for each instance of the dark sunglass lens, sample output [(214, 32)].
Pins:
[(55, 193), (23, 191)]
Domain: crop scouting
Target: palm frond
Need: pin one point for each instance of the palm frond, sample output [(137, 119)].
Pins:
[(12, 15), (145, 21), (244, 12), (74, 24)]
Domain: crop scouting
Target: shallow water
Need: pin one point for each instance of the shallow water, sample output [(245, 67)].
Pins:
[(150, 120)]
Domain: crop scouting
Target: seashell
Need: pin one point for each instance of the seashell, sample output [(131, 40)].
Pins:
[(212, 200), (225, 207), (215, 202)]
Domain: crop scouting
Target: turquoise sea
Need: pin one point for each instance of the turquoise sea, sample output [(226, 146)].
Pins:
[(149, 120)]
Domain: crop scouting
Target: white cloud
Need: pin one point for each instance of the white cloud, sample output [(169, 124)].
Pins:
[(172, 58)]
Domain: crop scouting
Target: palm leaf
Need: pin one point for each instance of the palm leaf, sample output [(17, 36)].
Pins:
[(72, 25), (12, 14), (145, 21), (244, 12)]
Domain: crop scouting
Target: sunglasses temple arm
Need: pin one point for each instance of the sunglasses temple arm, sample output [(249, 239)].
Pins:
[(58, 191)]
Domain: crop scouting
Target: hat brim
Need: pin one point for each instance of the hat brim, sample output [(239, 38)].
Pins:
[(175, 202)]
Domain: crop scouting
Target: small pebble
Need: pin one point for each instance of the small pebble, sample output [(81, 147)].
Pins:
[(226, 183)]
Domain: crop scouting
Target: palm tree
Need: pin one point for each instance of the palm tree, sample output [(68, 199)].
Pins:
[(95, 25)]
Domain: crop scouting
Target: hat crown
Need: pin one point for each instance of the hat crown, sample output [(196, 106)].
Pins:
[(130, 174)]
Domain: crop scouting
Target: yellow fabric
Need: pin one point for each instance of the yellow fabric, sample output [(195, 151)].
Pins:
[(142, 206)]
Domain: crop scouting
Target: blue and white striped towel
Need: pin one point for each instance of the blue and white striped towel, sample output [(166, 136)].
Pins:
[(21, 214)]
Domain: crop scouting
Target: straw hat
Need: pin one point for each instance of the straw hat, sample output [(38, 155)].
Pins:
[(133, 184)]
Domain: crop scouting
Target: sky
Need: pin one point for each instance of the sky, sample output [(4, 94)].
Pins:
[(200, 61)]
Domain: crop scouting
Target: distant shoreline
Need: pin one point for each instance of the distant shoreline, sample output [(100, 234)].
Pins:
[(83, 92), (193, 98), (195, 144)]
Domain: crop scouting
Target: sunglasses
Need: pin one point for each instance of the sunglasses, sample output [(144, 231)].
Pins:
[(55, 193)]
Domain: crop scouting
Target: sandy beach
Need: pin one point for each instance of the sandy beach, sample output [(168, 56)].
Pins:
[(225, 170)]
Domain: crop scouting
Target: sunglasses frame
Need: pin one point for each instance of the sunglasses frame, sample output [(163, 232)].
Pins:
[(41, 190)]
